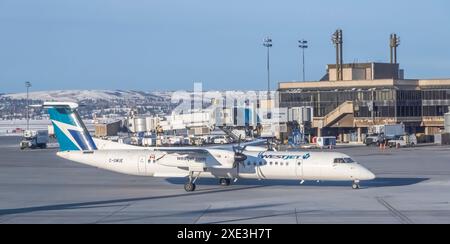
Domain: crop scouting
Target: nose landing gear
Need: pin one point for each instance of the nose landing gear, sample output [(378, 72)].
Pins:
[(356, 185)]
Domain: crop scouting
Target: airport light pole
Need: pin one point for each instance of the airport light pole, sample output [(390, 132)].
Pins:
[(303, 44), (28, 85), (337, 39), (372, 105), (268, 44), (394, 43)]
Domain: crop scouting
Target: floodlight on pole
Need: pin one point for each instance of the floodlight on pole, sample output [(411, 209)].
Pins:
[(268, 44), (394, 43), (28, 85), (337, 39), (303, 44)]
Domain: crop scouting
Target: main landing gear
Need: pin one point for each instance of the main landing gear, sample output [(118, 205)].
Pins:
[(356, 185), (190, 185), (224, 182)]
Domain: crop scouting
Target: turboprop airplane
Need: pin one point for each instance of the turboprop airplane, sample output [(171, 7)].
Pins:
[(77, 145)]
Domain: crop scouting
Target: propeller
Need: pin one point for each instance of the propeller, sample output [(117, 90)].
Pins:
[(239, 156), (270, 145)]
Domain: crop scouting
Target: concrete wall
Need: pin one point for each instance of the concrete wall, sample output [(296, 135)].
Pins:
[(332, 74), (447, 122)]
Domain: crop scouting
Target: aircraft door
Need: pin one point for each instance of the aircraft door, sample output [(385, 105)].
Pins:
[(299, 168), (142, 164)]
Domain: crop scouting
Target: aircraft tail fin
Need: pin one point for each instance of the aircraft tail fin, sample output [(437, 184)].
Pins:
[(70, 130)]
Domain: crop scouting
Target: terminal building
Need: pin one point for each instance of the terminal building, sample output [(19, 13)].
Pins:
[(352, 98)]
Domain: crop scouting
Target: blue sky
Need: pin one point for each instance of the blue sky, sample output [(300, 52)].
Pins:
[(169, 44)]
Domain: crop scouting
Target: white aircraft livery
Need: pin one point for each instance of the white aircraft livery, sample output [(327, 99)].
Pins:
[(191, 163)]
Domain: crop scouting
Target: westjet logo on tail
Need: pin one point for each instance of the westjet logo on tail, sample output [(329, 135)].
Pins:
[(76, 135)]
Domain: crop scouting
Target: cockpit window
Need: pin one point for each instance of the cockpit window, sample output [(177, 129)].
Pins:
[(349, 160), (343, 161), (339, 161)]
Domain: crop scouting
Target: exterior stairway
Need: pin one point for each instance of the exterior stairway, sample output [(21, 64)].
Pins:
[(230, 132), (335, 115)]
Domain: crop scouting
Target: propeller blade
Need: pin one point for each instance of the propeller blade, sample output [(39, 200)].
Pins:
[(239, 142), (240, 157)]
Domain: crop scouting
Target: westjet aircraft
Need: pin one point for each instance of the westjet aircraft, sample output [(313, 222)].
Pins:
[(77, 145)]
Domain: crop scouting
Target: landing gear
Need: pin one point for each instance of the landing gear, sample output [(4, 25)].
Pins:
[(224, 182), (189, 187), (356, 185)]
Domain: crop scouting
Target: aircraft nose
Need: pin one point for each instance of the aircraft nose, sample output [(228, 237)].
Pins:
[(365, 174)]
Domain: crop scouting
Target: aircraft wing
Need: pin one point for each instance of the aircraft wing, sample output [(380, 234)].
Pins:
[(196, 159), (230, 146), (201, 149)]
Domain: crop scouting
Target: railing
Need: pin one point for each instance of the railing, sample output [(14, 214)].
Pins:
[(343, 109)]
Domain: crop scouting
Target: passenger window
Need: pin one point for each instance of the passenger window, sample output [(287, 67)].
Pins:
[(276, 163), (281, 164), (254, 164), (287, 164), (260, 163), (271, 163)]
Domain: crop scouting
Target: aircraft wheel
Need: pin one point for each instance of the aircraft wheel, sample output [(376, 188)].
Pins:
[(355, 186), (224, 182), (189, 187)]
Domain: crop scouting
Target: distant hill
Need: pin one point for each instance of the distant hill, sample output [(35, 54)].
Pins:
[(82, 95), (108, 102)]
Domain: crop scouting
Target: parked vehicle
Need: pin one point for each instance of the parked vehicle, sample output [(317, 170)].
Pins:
[(403, 141), (197, 141), (148, 141), (220, 140), (373, 140), (394, 131), (326, 142), (34, 139)]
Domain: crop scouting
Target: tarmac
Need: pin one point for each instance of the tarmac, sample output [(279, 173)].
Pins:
[(413, 186)]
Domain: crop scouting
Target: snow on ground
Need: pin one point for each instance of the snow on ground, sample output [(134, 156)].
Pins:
[(79, 95), (7, 127)]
